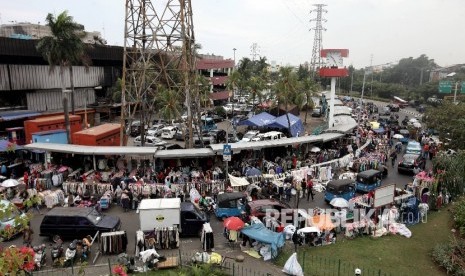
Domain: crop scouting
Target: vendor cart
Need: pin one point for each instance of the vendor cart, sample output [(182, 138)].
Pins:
[(105, 200)]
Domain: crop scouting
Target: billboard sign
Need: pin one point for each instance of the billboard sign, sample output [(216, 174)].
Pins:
[(445, 87)]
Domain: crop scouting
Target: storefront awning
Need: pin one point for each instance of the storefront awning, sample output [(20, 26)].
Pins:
[(167, 154), (17, 114), (91, 150)]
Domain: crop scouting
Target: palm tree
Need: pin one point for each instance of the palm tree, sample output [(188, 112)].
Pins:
[(256, 86), (286, 88), (63, 48), (308, 88), (169, 103)]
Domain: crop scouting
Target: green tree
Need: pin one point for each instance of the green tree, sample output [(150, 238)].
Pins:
[(448, 120), (256, 85), (64, 48), (286, 89), (169, 103), (307, 88)]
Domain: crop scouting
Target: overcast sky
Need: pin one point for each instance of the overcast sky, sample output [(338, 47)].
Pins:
[(388, 30)]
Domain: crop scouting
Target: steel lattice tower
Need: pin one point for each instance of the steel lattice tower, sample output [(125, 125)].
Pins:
[(316, 61), (158, 51)]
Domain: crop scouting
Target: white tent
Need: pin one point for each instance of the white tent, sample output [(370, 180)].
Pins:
[(238, 181)]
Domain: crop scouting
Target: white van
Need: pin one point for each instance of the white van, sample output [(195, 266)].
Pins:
[(273, 135), (168, 132)]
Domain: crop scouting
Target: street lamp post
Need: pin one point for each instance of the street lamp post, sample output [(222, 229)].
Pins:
[(234, 49)]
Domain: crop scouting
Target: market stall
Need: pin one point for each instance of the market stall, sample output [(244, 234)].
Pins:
[(268, 242)]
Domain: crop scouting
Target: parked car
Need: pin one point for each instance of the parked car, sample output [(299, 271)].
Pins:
[(228, 108), (250, 135), (410, 162), (155, 130), (206, 138), (420, 108), (180, 136), (317, 112), (150, 141), (169, 146), (219, 135), (11, 214), (168, 132), (259, 208), (135, 128), (385, 111), (394, 108), (232, 138), (77, 222)]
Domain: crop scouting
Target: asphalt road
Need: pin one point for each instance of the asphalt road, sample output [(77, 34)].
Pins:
[(130, 223)]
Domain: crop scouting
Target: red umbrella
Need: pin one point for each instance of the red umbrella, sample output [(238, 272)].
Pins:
[(233, 223)]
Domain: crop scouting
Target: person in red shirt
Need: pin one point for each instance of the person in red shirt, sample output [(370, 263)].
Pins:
[(309, 188)]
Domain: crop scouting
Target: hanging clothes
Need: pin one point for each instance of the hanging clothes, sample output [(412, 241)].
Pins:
[(113, 242), (207, 237), (164, 238)]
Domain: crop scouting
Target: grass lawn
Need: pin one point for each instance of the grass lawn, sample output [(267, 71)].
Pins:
[(392, 254)]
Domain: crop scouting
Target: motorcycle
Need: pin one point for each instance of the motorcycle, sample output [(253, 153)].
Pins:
[(39, 256), (57, 249), (70, 255)]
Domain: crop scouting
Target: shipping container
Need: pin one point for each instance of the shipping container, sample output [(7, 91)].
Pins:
[(102, 135), (52, 136), (51, 123)]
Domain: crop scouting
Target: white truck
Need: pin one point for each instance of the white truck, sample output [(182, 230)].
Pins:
[(168, 212)]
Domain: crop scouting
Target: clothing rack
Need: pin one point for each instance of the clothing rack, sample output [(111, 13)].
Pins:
[(113, 242), (163, 238), (83, 187)]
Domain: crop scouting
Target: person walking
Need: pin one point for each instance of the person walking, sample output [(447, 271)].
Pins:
[(309, 188), (27, 235), (296, 240), (393, 158), (303, 186)]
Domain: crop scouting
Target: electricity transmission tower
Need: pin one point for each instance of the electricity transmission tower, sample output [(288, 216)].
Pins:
[(254, 51), (158, 54), (316, 61)]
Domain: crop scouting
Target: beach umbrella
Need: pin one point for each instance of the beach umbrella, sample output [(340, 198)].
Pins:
[(417, 125), (311, 229), (10, 183), (398, 136), (339, 202), (315, 149), (233, 223)]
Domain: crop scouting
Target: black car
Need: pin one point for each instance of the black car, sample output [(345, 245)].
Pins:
[(233, 138), (77, 222), (219, 135), (411, 162), (395, 108), (170, 146), (135, 128)]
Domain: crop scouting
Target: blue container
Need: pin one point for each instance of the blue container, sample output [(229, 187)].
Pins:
[(57, 136)]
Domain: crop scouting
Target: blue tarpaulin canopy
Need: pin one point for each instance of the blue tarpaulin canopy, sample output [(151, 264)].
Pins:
[(6, 145), (262, 234), (297, 128), (259, 120)]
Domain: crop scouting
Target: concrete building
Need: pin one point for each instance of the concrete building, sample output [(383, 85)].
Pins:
[(217, 70), (26, 30)]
